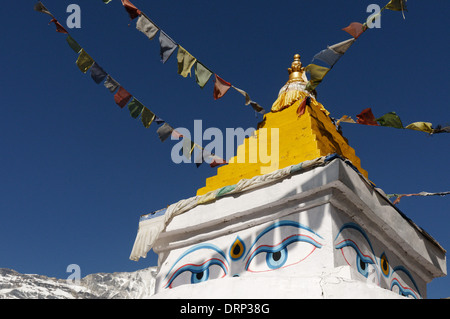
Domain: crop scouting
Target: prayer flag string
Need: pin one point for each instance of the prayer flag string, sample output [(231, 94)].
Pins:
[(391, 119), (185, 60), (333, 53), (400, 196), (124, 98)]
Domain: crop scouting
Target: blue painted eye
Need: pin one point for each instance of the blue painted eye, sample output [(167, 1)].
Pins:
[(193, 274), (276, 259), (363, 267), (200, 276), (362, 261)]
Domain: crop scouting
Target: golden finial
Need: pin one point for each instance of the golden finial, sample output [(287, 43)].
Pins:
[(296, 70)]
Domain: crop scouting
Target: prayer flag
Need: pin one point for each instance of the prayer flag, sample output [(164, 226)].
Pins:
[(343, 46), (106, 1), (302, 107), (185, 61), (216, 161), (167, 46), (420, 126), (111, 84), (355, 29), (97, 73), (164, 131), (147, 117), (317, 72), (59, 27), (396, 5), (220, 87), (311, 85), (135, 107), (146, 26), (328, 56), (41, 8), (122, 97), (176, 134), (159, 120), (247, 97), (366, 117), (133, 12), (84, 61), (202, 74), (257, 107), (73, 44), (346, 119), (440, 129), (390, 119)]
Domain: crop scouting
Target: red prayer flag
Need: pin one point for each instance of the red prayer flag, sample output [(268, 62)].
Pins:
[(122, 97), (216, 161), (131, 9), (366, 117), (59, 27), (301, 108), (355, 29), (220, 87)]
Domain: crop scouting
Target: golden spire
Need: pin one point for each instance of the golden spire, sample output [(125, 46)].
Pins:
[(296, 71), (295, 87)]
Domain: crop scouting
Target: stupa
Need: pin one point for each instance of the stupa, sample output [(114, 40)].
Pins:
[(306, 224)]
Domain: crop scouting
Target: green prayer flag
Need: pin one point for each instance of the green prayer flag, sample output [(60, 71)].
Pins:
[(135, 107), (396, 5), (73, 44), (41, 8), (317, 72), (147, 117), (202, 74), (420, 126), (185, 61), (390, 119), (311, 85), (84, 61)]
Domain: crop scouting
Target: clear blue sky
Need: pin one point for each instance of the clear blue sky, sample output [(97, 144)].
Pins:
[(77, 171)]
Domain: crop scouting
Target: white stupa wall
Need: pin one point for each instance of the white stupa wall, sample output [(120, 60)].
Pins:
[(323, 233)]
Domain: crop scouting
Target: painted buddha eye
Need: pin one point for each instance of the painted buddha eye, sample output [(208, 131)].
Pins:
[(354, 256), (187, 270), (194, 274), (294, 248), (290, 251), (357, 250)]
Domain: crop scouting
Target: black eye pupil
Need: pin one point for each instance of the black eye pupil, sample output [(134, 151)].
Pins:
[(276, 256), (236, 250), (199, 275), (362, 264)]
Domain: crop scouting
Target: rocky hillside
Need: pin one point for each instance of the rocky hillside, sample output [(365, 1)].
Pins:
[(121, 285)]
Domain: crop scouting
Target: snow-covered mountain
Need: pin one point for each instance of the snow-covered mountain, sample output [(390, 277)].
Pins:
[(121, 285)]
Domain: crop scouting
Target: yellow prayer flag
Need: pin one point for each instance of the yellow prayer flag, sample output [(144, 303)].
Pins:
[(420, 126), (84, 61), (317, 72), (185, 61), (147, 117)]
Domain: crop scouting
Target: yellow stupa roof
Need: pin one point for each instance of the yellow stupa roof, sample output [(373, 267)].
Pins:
[(292, 138)]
